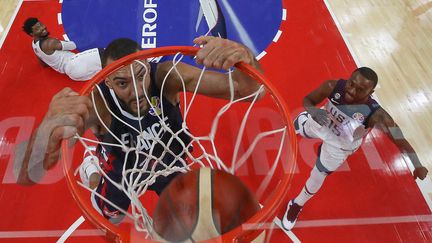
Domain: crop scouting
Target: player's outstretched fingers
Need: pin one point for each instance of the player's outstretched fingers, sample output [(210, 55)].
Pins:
[(51, 160), (231, 60), (202, 40), (212, 47), (54, 143), (82, 106), (62, 106), (64, 127)]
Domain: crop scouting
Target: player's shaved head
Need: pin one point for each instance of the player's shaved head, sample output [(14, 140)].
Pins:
[(119, 48), (369, 74)]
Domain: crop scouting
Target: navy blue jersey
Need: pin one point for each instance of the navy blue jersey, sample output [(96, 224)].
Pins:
[(150, 121)]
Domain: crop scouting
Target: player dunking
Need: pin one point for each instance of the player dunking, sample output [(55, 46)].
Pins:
[(69, 113), (57, 54), (347, 116)]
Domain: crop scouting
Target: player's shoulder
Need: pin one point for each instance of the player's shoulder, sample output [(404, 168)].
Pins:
[(381, 116), (49, 43), (329, 84), (50, 40)]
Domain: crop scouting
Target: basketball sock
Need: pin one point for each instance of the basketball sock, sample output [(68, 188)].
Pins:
[(313, 184)]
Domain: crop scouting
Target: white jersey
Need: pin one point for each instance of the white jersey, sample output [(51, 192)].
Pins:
[(79, 67), (344, 130), (58, 60)]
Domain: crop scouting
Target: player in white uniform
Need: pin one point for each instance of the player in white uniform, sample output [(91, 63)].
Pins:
[(57, 54), (341, 124)]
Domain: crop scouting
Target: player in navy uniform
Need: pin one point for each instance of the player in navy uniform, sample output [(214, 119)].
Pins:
[(342, 123), (69, 113), (112, 157)]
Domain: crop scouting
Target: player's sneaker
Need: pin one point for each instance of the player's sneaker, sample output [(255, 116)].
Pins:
[(290, 217)]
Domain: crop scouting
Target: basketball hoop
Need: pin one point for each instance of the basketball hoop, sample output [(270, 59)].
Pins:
[(253, 140)]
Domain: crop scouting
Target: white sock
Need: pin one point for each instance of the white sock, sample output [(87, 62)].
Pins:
[(313, 184)]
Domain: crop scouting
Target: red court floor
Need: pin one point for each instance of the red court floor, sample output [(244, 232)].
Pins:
[(373, 198)]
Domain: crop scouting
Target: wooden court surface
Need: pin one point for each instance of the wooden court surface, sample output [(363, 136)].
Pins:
[(363, 199)]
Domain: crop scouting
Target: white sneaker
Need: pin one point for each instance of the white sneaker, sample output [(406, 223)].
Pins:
[(291, 214)]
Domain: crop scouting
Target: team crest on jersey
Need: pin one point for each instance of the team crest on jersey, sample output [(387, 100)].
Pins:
[(358, 117), (337, 96), (155, 109)]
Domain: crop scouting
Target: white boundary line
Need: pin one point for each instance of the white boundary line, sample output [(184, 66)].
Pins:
[(343, 34), (364, 221), (47, 233), (424, 186), (348, 221), (289, 233), (261, 55), (277, 36), (59, 18), (71, 229), (6, 32)]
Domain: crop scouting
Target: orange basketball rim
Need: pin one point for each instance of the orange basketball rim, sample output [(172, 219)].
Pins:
[(276, 175)]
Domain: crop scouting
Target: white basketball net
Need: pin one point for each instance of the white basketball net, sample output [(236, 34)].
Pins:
[(134, 184)]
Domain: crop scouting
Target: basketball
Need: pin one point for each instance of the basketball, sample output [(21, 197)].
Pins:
[(202, 204)]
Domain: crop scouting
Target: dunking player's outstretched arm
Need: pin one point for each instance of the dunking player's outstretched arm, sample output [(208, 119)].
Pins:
[(215, 53), (316, 97), (383, 121), (68, 113)]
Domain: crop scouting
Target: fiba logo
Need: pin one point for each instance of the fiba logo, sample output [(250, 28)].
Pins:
[(155, 106), (156, 23), (358, 117)]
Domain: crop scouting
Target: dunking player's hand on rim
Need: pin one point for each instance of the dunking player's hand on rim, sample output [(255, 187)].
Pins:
[(222, 53)]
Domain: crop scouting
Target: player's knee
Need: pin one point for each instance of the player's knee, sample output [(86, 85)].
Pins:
[(321, 168), (299, 123)]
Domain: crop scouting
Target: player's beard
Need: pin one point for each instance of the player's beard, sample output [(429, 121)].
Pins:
[(132, 103), (45, 35)]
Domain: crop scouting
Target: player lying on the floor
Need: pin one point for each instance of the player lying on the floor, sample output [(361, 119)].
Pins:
[(57, 54)]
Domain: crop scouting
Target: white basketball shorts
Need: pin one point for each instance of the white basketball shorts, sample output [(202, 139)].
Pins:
[(330, 157), (84, 65)]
